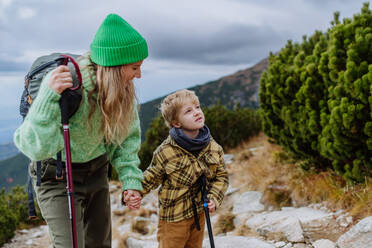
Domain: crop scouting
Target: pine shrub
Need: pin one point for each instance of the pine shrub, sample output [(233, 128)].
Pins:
[(14, 212), (8, 218), (316, 100)]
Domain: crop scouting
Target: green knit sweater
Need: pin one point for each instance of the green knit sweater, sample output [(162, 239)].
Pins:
[(40, 136)]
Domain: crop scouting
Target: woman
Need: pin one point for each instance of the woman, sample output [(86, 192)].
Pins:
[(104, 130)]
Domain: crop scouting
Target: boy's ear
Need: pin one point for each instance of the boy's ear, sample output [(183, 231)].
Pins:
[(176, 124)]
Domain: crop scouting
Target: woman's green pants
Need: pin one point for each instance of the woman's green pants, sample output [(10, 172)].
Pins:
[(92, 203)]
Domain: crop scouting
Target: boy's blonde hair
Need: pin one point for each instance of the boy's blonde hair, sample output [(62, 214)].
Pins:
[(171, 105)]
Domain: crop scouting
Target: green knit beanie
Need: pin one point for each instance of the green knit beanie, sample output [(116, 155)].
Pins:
[(117, 43)]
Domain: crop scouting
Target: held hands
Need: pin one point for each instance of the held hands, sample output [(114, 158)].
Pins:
[(132, 199), (60, 79)]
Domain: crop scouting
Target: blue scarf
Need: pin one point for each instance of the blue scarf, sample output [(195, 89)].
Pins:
[(192, 145)]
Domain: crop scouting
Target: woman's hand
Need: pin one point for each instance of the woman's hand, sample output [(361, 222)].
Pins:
[(60, 79), (132, 199)]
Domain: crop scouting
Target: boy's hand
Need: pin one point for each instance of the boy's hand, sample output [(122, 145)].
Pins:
[(211, 206), (132, 199)]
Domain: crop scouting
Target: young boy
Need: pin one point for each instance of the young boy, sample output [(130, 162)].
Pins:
[(178, 164)]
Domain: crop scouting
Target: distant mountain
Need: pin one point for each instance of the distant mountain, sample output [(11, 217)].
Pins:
[(13, 171), (7, 128), (8, 150), (240, 87)]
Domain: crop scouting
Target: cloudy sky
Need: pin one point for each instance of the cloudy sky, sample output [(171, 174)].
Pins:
[(190, 42)]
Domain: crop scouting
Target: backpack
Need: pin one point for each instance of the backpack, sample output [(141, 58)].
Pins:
[(39, 68)]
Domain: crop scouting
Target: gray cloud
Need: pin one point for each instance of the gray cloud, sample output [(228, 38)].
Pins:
[(10, 66), (187, 36), (233, 44), (322, 2)]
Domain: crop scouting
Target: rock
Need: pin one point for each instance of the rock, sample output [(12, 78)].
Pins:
[(23, 231), (115, 243), (34, 237), (38, 234), (300, 245), (116, 206), (136, 243), (254, 149), (29, 242), (291, 222), (150, 202), (275, 225), (359, 236), (230, 190), (280, 244), (306, 215), (123, 229), (214, 219), (237, 241), (344, 220), (248, 202), (113, 187), (314, 222), (150, 238), (154, 218), (324, 243), (229, 158), (241, 219)]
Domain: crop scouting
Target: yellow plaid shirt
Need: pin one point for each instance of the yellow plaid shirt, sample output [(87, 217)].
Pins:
[(177, 171)]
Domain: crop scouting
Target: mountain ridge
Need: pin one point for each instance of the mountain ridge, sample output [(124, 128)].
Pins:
[(8, 150)]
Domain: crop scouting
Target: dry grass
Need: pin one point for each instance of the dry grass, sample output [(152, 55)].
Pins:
[(268, 169), (141, 225), (225, 223)]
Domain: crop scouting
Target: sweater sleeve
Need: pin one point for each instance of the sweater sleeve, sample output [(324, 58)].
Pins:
[(220, 183), (125, 157), (40, 136)]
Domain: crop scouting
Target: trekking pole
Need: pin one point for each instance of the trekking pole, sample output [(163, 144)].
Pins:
[(66, 114), (206, 210)]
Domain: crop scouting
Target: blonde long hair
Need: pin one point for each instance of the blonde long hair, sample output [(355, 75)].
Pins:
[(114, 93)]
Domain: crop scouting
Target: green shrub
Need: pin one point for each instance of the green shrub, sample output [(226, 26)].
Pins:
[(316, 97), (231, 127), (8, 218), (14, 212), (8, 223)]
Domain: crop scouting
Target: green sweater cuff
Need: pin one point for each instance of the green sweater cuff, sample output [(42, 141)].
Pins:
[(46, 103), (132, 183)]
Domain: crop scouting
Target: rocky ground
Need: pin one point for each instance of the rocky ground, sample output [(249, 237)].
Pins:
[(242, 221)]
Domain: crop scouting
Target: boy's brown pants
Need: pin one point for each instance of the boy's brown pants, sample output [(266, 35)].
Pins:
[(181, 234)]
